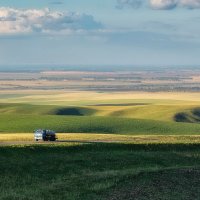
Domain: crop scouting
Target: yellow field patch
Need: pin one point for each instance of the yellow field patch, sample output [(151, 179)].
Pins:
[(85, 98), (74, 137)]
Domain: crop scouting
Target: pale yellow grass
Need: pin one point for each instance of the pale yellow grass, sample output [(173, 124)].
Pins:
[(87, 98), (16, 137), (75, 137)]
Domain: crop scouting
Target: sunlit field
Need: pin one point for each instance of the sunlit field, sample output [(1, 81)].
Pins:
[(110, 146), (8, 138), (118, 113), (83, 98)]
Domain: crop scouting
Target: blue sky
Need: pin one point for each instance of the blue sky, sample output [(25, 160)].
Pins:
[(100, 32)]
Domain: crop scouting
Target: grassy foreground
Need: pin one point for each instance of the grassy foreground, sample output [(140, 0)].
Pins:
[(73, 171)]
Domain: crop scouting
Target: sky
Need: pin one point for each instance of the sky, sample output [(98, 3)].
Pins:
[(100, 32)]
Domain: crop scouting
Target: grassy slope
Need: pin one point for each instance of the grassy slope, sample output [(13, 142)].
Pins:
[(155, 112), (137, 111), (97, 119), (11, 108), (100, 171), (77, 124), (122, 114)]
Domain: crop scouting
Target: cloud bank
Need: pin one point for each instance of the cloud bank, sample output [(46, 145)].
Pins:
[(160, 4), (163, 4), (13, 21)]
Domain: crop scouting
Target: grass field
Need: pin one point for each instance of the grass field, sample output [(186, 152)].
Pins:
[(127, 110), (75, 171), (123, 117), (83, 98), (70, 124), (8, 138), (111, 146)]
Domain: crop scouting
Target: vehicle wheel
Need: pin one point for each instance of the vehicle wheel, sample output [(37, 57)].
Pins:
[(52, 139)]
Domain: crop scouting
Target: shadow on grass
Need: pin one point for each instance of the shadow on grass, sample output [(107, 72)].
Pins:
[(77, 171), (101, 146)]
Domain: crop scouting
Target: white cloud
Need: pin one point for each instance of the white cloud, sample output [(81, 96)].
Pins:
[(192, 4), (160, 4), (163, 4), (44, 21)]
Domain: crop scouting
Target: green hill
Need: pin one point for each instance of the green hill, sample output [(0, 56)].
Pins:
[(86, 124), (45, 110), (129, 119)]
